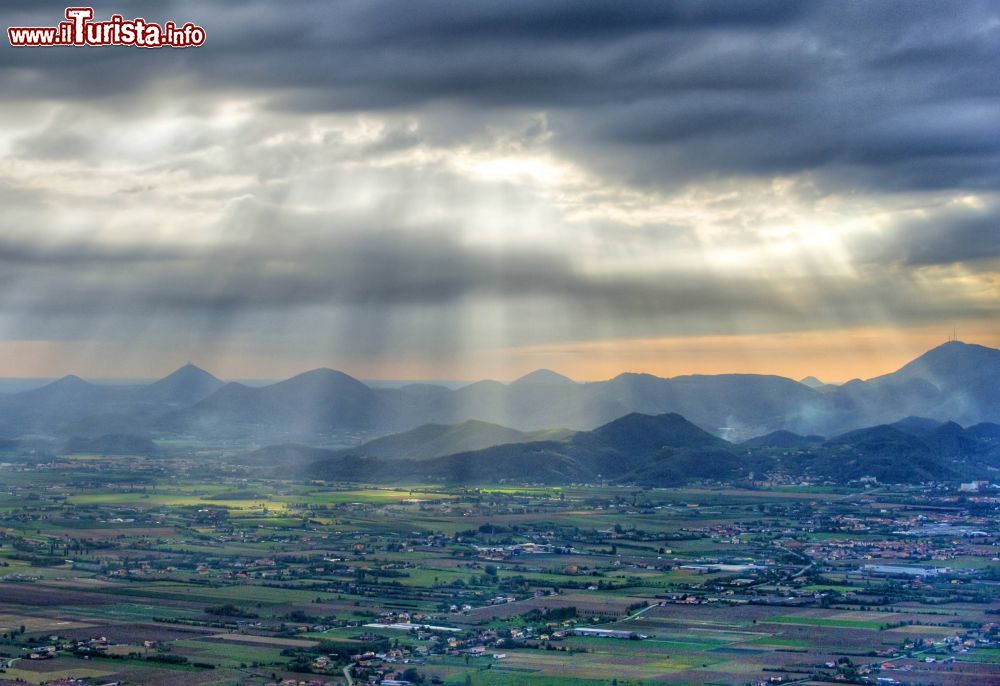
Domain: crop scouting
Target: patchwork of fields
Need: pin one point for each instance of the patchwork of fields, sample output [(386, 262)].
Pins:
[(111, 574)]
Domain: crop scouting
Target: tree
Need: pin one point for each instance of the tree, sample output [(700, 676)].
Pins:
[(413, 676)]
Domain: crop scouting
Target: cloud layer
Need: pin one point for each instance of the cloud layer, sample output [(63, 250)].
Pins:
[(467, 176)]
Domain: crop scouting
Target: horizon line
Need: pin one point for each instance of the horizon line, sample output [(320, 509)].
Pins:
[(456, 383)]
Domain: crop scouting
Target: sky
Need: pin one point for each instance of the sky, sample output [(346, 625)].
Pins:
[(463, 190)]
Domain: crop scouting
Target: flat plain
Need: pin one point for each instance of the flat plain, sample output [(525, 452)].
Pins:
[(170, 570)]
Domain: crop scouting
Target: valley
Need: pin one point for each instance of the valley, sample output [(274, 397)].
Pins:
[(159, 569), (319, 531)]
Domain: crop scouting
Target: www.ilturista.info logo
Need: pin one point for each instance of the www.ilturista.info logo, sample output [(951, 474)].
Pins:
[(80, 29)]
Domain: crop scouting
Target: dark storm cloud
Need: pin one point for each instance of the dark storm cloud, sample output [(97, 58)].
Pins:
[(883, 98), (370, 268), (967, 234), (894, 95), (315, 259)]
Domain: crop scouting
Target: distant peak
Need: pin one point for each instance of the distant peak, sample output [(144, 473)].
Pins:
[(629, 376), (323, 371), (956, 346), (543, 376), (811, 382), (190, 370), (946, 361), (649, 419), (188, 374), (188, 384), (323, 375), (70, 380), (67, 384)]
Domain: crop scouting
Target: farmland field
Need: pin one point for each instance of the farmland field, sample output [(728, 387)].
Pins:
[(238, 580)]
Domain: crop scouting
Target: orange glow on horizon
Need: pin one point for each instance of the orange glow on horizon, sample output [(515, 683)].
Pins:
[(832, 356)]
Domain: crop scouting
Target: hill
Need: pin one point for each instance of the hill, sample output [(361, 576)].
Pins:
[(317, 402), (660, 450), (543, 377), (917, 426), (782, 439), (436, 440), (331, 402), (956, 382), (186, 386), (45, 410)]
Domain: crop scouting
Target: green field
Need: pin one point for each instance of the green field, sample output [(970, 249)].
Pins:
[(196, 581)]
